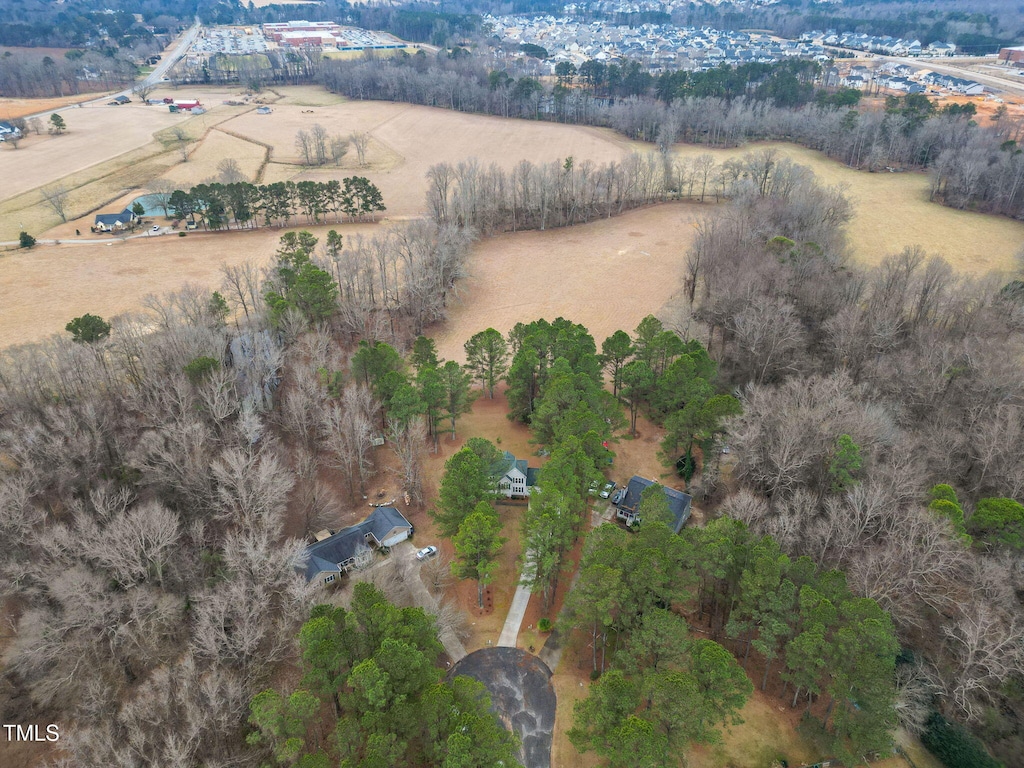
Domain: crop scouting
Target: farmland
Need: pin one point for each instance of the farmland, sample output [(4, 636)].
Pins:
[(110, 154)]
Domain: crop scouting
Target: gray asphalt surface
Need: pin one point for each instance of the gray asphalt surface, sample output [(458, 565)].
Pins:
[(521, 695)]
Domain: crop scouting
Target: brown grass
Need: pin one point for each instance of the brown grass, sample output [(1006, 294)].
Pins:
[(96, 134), (595, 274), (767, 733), (47, 286), (407, 140), (11, 108), (891, 211), (217, 146), (98, 182), (606, 275)]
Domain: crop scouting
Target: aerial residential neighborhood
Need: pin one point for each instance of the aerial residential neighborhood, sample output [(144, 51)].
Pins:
[(622, 384)]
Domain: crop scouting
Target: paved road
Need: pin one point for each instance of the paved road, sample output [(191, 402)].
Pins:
[(521, 695)]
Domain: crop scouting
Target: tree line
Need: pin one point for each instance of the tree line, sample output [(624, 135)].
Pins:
[(862, 391), (217, 205), (973, 165)]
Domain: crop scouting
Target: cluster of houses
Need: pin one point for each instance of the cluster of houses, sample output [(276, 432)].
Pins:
[(656, 45), (892, 46), (905, 79), (334, 554)]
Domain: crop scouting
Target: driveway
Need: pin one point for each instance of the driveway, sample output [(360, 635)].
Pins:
[(521, 695)]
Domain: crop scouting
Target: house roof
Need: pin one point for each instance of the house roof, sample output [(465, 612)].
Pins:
[(328, 554), (678, 502), (510, 462), (110, 219)]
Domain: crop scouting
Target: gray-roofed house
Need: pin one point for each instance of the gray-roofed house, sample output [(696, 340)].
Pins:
[(518, 479), (9, 130), (352, 547), (111, 222), (678, 503)]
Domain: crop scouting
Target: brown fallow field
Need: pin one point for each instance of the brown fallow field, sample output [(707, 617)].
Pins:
[(563, 269)]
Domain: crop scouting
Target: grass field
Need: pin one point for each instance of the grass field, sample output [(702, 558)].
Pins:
[(202, 163), (586, 273), (47, 286), (11, 108), (593, 274)]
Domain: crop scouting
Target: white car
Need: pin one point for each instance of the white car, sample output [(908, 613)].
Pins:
[(156, 228), (426, 552)]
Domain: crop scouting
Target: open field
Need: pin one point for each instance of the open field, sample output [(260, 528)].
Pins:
[(891, 211), (111, 153), (11, 108), (202, 163), (119, 170), (95, 134), (587, 274), (406, 140), (45, 287)]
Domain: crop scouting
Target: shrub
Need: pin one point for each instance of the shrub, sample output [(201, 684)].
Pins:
[(200, 368), (954, 746), (88, 328), (182, 234), (544, 625), (1000, 521), (25, 240)]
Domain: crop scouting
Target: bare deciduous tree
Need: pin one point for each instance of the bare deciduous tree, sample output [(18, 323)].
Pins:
[(56, 196), (360, 140)]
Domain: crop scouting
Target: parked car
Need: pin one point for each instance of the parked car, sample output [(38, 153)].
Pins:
[(607, 490), (617, 496), (156, 228), (592, 490), (426, 552)]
